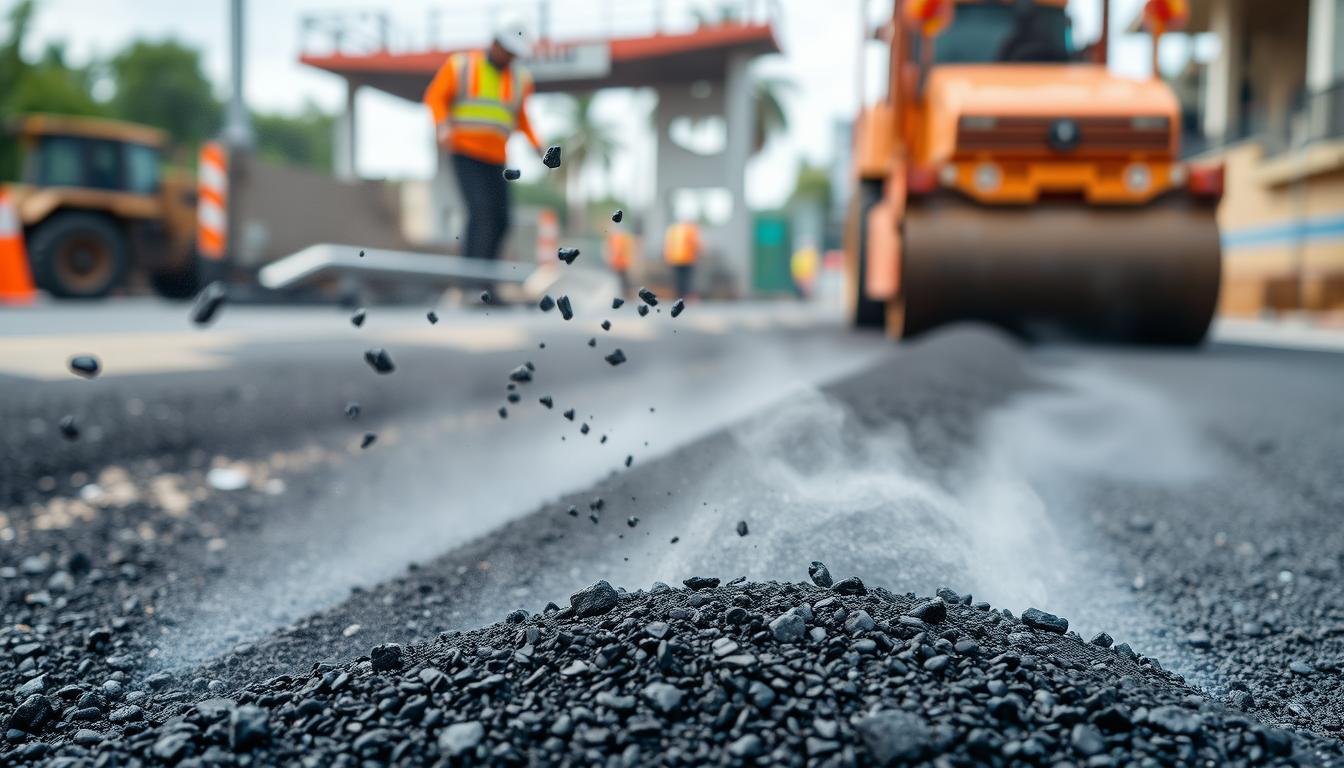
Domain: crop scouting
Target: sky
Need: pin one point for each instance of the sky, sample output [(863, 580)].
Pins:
[(820, 40)]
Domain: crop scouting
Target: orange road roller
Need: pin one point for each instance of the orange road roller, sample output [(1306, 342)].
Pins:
[(1009, 178)]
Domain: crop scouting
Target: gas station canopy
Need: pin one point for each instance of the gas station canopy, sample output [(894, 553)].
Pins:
[(658, 59)]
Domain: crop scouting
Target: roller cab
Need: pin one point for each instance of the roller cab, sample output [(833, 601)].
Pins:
[(1010, 179)]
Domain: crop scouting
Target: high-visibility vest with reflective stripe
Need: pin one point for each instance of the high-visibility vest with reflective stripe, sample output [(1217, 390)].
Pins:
[(487, 99)]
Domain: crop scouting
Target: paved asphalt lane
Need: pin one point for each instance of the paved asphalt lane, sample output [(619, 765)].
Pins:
[(1187, 503)]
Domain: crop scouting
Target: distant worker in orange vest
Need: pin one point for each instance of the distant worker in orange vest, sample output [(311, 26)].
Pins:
[(681, 247), (620, 255), (479, 99)]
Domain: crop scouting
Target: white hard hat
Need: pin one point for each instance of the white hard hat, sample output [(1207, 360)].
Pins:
[(511, 33)]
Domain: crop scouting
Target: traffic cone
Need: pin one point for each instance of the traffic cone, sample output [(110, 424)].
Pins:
[(16, 278)]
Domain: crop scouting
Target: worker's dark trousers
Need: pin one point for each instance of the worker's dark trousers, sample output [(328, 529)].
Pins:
[(487, 197), (684, 274)]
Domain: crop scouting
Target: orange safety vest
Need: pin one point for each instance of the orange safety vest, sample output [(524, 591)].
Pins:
[(620, 248), (681, 245), (481, 104)]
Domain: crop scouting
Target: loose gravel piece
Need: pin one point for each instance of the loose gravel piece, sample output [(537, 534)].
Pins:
[(606, 325), (615, 358), (546, 401), (678, 307), (643, 310), (741, 527), (86, 366), (617, 302), (820, 574), (379, 360), (648, 297), (551, 158), (486, 298), (352, 410), (592, 342), (569, 414), (568, 255), (522, 373), (750, 672), (512, 174), (618, 215), (546, 303), (369, 439), (357, 319), (69, 428), (566, 310), (207, 303), (432, 317)]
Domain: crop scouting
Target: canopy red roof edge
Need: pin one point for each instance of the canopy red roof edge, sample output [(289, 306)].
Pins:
[(622, 49)]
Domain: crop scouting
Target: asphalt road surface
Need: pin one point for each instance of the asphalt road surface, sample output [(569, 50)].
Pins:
[(218, 512)]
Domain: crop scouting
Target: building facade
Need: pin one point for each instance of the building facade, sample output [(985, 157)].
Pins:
[(1270, 106)]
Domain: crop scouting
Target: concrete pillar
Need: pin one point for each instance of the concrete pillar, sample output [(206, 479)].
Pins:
[(1222, 90), (344, 140), (660, 209), (739, 110), (1325, 37)]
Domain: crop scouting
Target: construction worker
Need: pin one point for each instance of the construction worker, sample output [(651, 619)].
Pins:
[(479, 99), (681, 247), (620, 254)]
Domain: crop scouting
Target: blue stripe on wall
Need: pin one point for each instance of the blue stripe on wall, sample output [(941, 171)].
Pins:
[(1321, 228)]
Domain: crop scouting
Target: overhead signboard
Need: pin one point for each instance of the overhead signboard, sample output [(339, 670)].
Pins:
[(582, 61)]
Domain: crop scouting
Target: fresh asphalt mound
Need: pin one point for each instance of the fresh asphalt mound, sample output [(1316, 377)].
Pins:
[(746, 673)]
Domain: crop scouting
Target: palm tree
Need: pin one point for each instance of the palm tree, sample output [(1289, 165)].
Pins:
[(771, 118), (587, 143)]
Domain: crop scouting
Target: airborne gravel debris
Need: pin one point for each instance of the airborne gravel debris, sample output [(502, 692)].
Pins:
[(86, 366), (379, 360), (207, 302)]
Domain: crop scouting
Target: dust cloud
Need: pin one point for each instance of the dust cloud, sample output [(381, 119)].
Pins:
[(1006, 521)]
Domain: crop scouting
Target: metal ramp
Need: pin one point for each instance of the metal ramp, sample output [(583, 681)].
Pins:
[(328, 260)]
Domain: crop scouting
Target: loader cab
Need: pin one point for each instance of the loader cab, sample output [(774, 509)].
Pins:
[(99, 215), (64, 160)]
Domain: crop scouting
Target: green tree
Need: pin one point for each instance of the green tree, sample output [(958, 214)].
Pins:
[(812, 185), (162, 84), (303, 140), (47, 85), (587, 143)]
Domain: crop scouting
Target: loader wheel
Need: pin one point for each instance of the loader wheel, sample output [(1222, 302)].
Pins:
[(865, 313), (79, 255)]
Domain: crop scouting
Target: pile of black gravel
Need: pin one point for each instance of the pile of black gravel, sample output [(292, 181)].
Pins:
[(748, 673)]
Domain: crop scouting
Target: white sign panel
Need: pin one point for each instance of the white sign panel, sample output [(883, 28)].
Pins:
[(585, 61)]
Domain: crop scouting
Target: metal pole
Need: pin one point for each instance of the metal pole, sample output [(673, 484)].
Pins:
[(238, 126)]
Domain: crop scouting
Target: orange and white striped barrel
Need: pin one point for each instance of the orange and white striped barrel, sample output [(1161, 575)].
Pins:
[(212, 202), (548, 236)]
